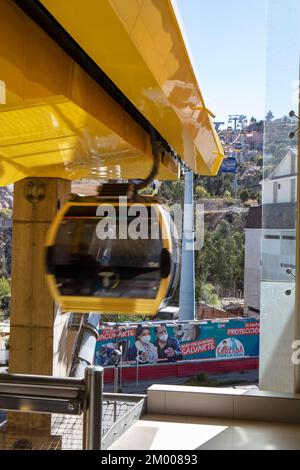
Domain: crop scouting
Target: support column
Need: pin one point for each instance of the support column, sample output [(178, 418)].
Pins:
[(187, 278), (36, 201)]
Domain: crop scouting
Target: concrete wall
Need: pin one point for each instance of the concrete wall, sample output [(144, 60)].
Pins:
[(206, 312), (278, 253), (283, 188)]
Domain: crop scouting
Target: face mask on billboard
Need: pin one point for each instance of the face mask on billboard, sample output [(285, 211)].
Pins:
[(163, 337), (146, 339)]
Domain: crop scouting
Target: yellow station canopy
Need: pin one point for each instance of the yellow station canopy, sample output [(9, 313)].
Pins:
[(58, 120)]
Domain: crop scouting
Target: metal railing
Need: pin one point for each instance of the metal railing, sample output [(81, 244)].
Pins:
[(68, 396), (81, 413), (134, 410), (78, 406)]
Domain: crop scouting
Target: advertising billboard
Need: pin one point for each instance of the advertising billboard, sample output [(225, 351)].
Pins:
[(172, 342)]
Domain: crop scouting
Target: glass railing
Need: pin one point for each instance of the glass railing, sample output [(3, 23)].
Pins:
[(279, 189)]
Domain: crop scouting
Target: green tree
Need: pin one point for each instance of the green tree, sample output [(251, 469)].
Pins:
[(209, 296), (221, 260), (244, 195), (259, 160), (4, 286), (269, 116), (217, 185), (201, 192), (6, 213), (172, 191)]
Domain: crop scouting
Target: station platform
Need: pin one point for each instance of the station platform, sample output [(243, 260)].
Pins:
[(196, 418), (160, 432)]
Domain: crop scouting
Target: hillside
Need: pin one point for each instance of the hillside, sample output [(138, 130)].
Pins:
[(217, 210)]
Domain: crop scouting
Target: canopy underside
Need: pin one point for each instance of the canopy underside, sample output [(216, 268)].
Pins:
[(56, 120)]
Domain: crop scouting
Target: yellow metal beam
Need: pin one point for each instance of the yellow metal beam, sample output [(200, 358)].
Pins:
[(61, 140)]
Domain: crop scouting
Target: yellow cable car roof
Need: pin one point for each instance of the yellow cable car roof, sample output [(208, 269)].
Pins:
[(139, 45)]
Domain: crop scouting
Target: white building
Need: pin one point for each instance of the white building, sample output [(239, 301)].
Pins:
[(280, 187)]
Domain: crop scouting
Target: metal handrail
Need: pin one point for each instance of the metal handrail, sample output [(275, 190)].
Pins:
[(70, 396), (42, 386), (40, 379), (60, 395)]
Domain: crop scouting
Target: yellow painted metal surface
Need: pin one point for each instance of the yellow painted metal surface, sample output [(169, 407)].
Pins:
[(55, 120), (57, 138), (139, 45)]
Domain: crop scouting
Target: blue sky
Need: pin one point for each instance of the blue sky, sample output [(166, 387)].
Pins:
[(228, 43)]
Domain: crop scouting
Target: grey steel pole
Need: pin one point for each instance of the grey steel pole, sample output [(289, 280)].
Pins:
[(92, 417), (116, 379), (137, 373), (187, 277)]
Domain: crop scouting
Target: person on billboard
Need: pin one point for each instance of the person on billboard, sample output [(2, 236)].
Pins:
[(103, 355), (188, 332), (143, 350), (168, 349)]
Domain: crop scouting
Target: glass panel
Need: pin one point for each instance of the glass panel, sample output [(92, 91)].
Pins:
[(279, 197)]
